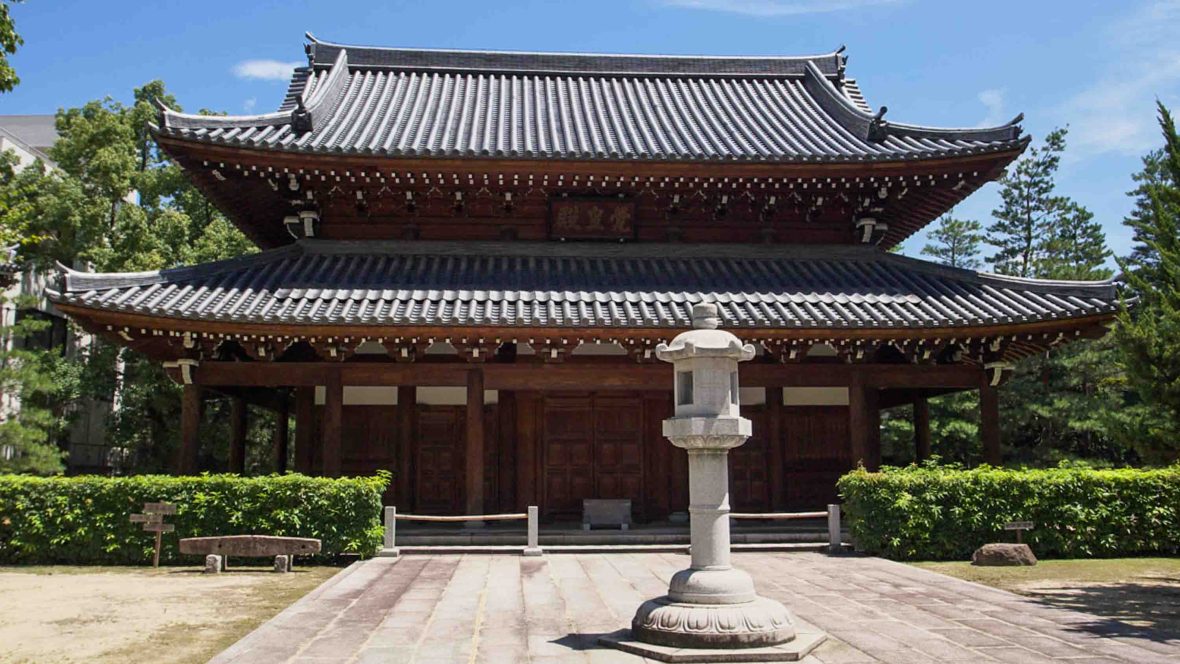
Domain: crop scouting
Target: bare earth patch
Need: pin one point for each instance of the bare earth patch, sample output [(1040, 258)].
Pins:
[(121, 614), (1141, 592)]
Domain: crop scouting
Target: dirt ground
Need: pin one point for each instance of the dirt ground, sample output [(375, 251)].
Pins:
[(1141, 592), (126, 614)]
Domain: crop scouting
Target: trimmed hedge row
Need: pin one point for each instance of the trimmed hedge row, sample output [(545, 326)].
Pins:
[(932, 513), (85, 520)]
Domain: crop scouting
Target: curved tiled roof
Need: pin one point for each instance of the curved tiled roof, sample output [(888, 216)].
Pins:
[(431, 103), (320, 282)]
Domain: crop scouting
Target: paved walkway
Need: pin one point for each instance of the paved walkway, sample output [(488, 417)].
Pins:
[(505, 608)]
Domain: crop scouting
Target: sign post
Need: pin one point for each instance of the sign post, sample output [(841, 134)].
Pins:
[(153, 522), (1019, 527)]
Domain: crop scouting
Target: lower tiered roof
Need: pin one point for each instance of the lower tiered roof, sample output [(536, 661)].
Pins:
[(531, 285)]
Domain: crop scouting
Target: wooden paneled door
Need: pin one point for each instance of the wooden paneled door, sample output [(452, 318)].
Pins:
[(592, 448), (438, 460), (749, 467), (818, 452)]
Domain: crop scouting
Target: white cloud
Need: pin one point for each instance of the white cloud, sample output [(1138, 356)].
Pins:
[(1116, 114), (993, 101), (249, 104), (266, 70), (777, 7)]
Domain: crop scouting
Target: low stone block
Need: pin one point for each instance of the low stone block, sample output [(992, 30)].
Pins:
[(1003, 554), (212, 564), (282, 564), (606, 512)]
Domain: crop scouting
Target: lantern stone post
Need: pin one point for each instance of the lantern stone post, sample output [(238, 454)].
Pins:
[(711, 605)]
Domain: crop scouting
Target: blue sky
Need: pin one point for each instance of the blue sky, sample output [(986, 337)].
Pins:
[(1094, 65)]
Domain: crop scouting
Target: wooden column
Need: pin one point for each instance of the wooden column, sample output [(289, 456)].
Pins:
[(333, 418), (407, 407), (304, 429), (237, 435), (858, 424), (873, 419), (474, 453), (989, 423), (281, 446), (190, 430), (776, 440), (921, 429)]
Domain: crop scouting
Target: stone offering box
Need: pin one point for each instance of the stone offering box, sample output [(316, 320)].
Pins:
[(217, 549), (609, 512)]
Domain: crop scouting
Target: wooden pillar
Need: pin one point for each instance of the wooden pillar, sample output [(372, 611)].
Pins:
[(407, 407), (921, 429), (304, 429), (190, 430), (989, 423), (864, 425), (281, 446), (333, 419), (475, 452), (873, 418), (237, 435), (506, 444), (775, 439)]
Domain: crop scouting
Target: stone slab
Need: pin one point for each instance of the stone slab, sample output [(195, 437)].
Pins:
[(792, 651)]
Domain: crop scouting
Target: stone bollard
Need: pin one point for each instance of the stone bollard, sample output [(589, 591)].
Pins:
[(283, 564), (212, 564), (532, 549)]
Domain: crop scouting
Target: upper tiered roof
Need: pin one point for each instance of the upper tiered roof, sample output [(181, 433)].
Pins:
[(394, 102)]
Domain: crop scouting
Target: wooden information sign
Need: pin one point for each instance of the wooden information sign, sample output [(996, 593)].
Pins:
[(1019, 527), (153, 522)]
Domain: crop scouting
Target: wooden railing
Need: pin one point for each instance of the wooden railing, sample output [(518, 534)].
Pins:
[(833, 515), (392, 517)]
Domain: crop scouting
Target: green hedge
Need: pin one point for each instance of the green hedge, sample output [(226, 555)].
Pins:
[(85, 520), (932, 513)]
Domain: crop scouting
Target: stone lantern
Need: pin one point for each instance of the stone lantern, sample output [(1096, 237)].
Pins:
[(711, 605)]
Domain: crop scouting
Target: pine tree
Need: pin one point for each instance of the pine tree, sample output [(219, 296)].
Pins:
[(1028, 208), (1149, 332), (955, 242), (1074, 246)]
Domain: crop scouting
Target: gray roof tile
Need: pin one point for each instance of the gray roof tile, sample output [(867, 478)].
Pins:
[(578, 284)]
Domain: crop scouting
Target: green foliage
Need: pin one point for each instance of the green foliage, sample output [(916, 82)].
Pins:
[(1027, 208), (943, 513), (955, 242), (1149, 333), (28, 376), (85, 520), (9, 41)]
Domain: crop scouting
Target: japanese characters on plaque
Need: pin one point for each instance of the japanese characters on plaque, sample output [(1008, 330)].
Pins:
[(592, 219)]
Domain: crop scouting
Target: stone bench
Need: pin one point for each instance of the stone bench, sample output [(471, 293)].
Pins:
[(606, 512), (217, 549)]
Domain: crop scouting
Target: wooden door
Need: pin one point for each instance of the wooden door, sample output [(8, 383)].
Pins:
[(817, 454), (749, 467), (439, 460), (568, 457), (592, 448)]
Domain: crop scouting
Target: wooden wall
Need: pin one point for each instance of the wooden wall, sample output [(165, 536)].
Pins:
[(554, 449)]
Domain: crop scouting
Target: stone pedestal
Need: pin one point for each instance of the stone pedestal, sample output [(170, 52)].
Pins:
[(711, 606)]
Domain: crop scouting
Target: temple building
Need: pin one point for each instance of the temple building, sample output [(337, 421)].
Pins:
[(468, 257)]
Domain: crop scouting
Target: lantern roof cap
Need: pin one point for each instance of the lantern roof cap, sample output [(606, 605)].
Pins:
[(705, 339)]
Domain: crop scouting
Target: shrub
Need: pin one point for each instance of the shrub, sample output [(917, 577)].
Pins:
[(85, 520), (932, 513)]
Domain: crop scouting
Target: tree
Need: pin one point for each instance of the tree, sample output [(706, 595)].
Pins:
[(1074, 246), (9, 41), (27, 423), (1149, 332), (955, 242), (1027, 209)]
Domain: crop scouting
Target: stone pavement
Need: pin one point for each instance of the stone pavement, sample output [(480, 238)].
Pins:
[(506, 608)]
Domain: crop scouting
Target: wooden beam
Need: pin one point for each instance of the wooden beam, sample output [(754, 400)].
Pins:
[(304, 429), (281, 446), (475, 444), (579, 376), (190, 430), (333, 420), (989, 424), (774, 438), (237, 435), (921, 429), (407, 407)]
